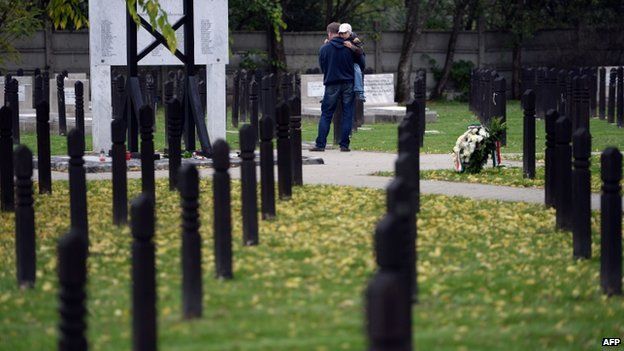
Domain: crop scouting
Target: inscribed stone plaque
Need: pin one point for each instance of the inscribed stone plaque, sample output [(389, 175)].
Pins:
[(316, 89), (379, 89)]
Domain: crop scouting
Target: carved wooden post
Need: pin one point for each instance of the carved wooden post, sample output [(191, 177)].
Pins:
[(253, 104), (235, 98), (388, 320), (119, 94), (612, 98), (44, 170), (12, 98), (222, 210), (247, 139), (46, 85), (192, 292), (408, 145), (592, 83), (420, 95), (602, 96), (295, 140), (267, 172), (72, 276), (620, 97), (148, 185), (6, 166), (581, 194), (563, 155), (143, 274), (38, 91), (24, 218), (243, 96), (77, 183), (284, 164), (79, 91), (550, 178), (562, 78), (584, 103), (611, 222), (528, 157), (60, 94), (405, 206), (119, 168), (175, 119), (265, 86)]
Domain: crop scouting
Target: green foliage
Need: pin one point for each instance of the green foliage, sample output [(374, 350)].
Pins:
[(257, 15), (157, 18), (18, 19), (68, 13), (459, 76)]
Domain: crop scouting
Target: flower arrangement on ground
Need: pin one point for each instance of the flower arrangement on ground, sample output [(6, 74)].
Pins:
[(476, 145)]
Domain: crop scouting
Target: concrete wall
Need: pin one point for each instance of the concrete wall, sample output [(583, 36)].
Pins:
[(70, 50)]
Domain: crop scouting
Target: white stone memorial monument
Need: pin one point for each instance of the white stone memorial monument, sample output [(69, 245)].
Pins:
[(107, 43)]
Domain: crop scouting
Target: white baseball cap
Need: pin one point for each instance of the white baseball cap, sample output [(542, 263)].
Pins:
[(345, 28)]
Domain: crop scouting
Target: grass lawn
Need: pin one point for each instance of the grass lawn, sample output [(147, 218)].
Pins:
[(492, 276), (509, 176), (453, 120)]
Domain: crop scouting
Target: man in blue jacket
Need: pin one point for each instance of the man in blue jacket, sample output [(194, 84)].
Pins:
[(336, 61)]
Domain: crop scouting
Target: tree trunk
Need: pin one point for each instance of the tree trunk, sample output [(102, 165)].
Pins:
[(410, 36), (516, 71), (329, 11), (458, 16), (277, 54)]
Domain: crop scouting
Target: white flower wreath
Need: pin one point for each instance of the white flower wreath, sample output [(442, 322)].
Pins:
[(466, 145)]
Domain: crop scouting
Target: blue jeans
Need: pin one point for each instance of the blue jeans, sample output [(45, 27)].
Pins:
[(344, 92), (358, 81)]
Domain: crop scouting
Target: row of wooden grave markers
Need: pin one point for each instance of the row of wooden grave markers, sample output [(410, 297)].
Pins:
[(73, 247), (559, 88), (41, 94), (567, 166), (488, 97), (393, 288)]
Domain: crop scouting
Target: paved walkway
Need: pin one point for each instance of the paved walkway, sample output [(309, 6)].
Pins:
[(355, 169)]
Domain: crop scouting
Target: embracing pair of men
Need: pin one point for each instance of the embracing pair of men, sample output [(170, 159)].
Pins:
[(342, 61)]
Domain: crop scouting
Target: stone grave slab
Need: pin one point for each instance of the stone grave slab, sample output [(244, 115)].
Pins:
[(379, 105), (70, 97)]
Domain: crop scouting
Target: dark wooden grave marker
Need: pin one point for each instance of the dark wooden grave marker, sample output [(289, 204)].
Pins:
[(581, 194), (295, 140), (77, 183), (222, 210), (143, 274), (192, 292), (24, 218), (611, 222), (148, 184), (563, 155), (528, 144), (72, 276), (267, 172), (6, 163), (174, 125), (80, 117), (60, 95), (284, 155), (550, 178), (119, 170), (247, 139), (44, 168)]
